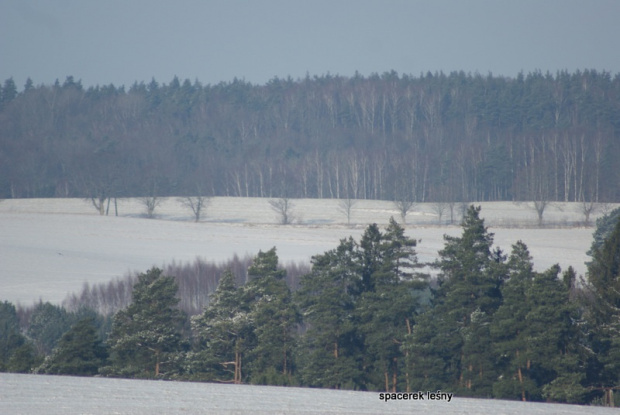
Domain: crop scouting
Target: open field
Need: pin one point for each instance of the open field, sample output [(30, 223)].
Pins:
[(64, 395), (50, 247)]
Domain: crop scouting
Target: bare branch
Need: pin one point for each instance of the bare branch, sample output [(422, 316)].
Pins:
[(283, 207)]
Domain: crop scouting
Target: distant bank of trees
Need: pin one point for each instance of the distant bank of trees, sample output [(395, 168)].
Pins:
[(363, 317), (432, 138)]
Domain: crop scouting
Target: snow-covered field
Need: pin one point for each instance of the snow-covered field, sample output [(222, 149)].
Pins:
[(64, 395), (51, 247)]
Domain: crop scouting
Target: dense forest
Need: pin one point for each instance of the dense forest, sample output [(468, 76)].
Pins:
[(364, 316), (436, 137)]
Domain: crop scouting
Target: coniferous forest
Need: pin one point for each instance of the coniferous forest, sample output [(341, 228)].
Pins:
[(435, 137), (365, 316)]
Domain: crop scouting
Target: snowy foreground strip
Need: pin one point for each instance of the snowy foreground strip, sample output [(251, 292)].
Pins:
[(416, 396), (65, 395)]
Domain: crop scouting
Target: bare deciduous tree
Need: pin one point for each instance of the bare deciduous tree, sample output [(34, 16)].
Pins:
[(151, 203), (197, 204), (404, 205), (283, 207), (587, 208), (439, 208), (539, 207), (345, 206)]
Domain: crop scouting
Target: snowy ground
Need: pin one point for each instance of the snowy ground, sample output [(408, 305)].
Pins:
[(63, 395), (50, 247)]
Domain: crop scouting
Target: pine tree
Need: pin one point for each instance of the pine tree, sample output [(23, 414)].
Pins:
[(79, 352), (148, 332), (469, 286), (46, 326), (329, 352), (508, 329), (552, 338), (223, 335), (385, 311), (603, 314), (275, 318), (10, 335)]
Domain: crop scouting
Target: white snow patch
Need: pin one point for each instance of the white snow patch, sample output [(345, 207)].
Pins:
[(64, 395), (51, 247)]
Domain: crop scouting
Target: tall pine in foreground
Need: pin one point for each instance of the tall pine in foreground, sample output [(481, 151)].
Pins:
[(603, 315), (274, 317), (223, 334), (146, 335), (449, 346), (328, 354), (359, 302)]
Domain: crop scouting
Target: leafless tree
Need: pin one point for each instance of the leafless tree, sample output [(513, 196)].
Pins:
[(197, 204), (404, 205), (283, 207), (151, 203), (587, 208), (345, 206), (540, 206), (439, 208)]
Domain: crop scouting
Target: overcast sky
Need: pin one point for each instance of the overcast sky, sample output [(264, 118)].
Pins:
[(122, 41)]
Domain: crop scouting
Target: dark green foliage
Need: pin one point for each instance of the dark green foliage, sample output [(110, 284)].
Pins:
[(275, 318), (452, 343), (604, 227), (24, 359), (79, 352), (603, 311), (359, 302), (223, 334), (447, 137), (11, 337), (147, 334), (47, 324), (327, 297)]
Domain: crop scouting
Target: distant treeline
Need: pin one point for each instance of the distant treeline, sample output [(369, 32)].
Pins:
[(364, 317), (435, 137)]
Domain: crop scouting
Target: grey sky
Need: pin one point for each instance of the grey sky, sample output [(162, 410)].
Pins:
[(122, 41)]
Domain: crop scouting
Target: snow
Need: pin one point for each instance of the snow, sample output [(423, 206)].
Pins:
[(51, 247), (64, 395)]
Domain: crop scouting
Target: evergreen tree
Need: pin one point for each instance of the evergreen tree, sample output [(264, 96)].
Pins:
[(24, 359), (385, 311), (275, 318), (603, 313), (146, 335), (329, 355), (554, 363), (10, 335), (222, 335), (509, 326), (47, 324), (469, 287), (79, 352)]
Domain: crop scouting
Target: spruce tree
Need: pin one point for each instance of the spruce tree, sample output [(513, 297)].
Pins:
[(146, 335)]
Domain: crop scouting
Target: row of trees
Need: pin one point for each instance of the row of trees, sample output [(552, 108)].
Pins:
[(436, 137), (365, 317)]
